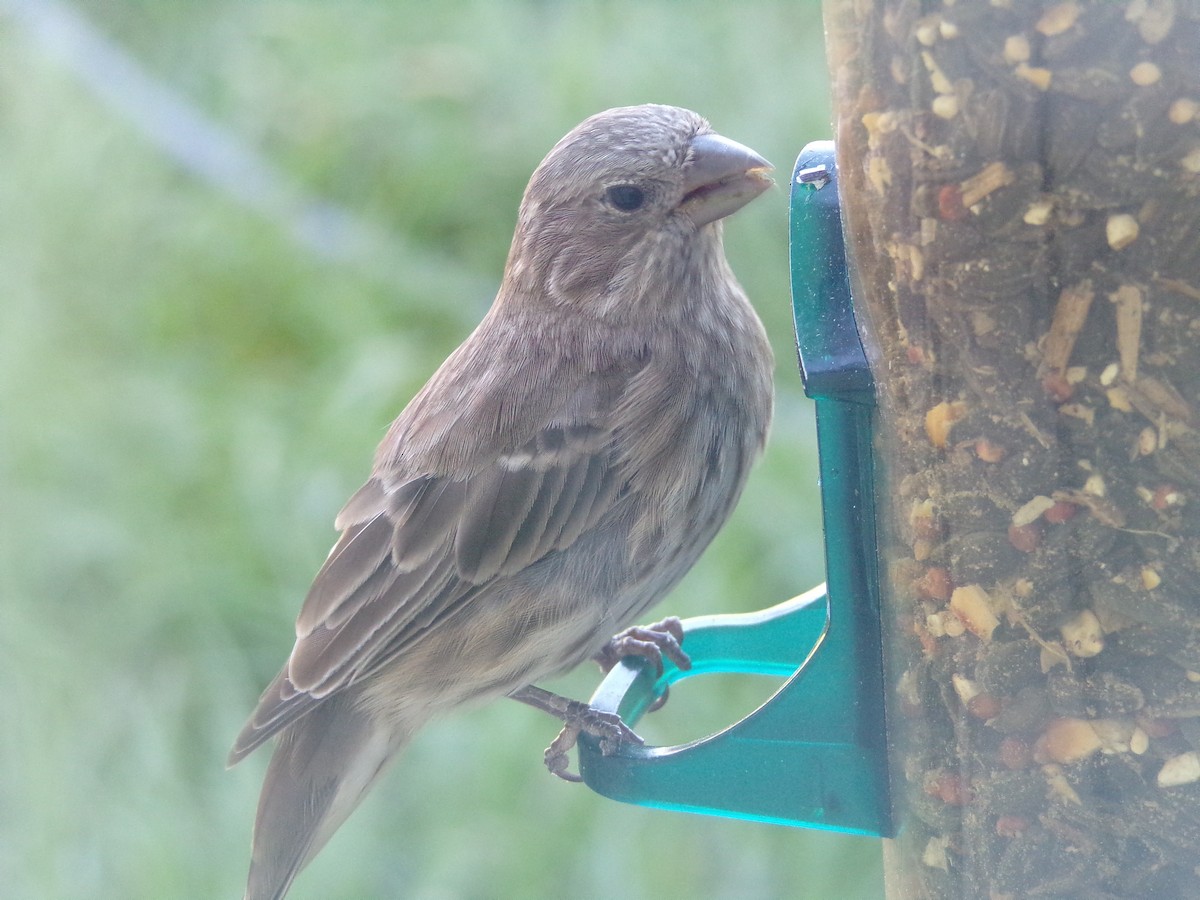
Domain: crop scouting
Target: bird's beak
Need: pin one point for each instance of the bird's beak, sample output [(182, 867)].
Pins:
[(721, 177)]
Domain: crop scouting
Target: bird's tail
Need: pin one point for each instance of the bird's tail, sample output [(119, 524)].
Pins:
[(322, 767)]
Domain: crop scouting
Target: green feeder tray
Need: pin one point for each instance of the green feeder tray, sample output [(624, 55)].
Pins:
[(815, 754)]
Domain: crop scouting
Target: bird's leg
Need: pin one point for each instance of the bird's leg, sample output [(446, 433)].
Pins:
[(651, 642), (578, 718)]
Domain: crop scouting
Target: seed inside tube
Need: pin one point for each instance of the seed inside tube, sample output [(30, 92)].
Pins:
[(945, 106), (1139, 742), (1182, 111), (1066, 740), (1147, 441), (1121, 230), (1058, 19), (1179, 770), (1082, 635), (1038, 212), (1039, 77), (941, 418), (1016, 48), (1145, 74), (1154, 18), (972, 605)]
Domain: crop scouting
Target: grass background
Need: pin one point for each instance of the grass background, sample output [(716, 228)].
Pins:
[(188, 393)]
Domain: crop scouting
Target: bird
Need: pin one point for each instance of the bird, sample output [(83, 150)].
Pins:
[(558, 474)]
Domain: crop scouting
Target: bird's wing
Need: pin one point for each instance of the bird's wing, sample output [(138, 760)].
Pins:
[(416, 548)]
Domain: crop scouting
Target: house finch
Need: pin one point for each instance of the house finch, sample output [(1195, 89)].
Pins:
[(559, 473)]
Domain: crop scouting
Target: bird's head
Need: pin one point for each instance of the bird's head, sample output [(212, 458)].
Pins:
[(630, 197)]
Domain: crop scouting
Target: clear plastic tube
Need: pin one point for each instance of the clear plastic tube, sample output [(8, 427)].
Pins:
[(1021, 194)]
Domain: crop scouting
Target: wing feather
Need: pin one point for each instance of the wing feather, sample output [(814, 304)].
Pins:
[(416, 548), (351, 562), (498, 503), (425, 514), (334, 657), (532, 539)]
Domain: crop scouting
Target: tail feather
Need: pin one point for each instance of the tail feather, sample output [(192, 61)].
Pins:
[(322, 767), (279, 705)]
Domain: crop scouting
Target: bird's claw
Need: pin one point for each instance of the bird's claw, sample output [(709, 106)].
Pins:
[(651, 642), (606, 727), (557, 760), (660, 700)]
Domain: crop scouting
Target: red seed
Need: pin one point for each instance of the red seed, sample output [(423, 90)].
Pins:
[(1015, 753), (950, 789), (1060, 512), (955, 791), (1057, 387), (983, 706), (989, 451), (917, 355), (1025, 538), (935, 584), (1011, 826), (928, 642), (950, 203), (1166, 496)]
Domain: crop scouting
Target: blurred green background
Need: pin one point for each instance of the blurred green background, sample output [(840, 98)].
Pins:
[(192, 380)]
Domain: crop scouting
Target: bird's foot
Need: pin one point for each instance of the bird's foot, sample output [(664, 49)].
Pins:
[(578, 718), (556, 757), (606, 727), (651, 642)]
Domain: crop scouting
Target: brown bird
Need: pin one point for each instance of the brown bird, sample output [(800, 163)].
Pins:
[(559, 473)]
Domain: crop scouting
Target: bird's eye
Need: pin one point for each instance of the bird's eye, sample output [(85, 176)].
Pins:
[(625, 197)]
